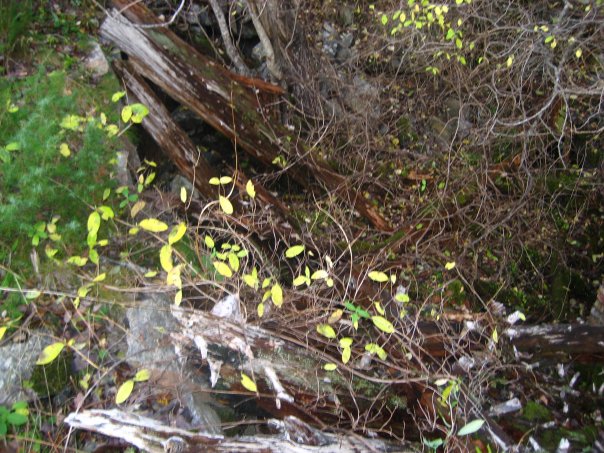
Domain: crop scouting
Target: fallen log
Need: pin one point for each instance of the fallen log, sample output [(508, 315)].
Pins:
[(552, 342), (292, 435), (231, 107)]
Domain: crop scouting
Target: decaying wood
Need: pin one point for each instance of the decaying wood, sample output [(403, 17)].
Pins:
[(221, 101), (584, 343), (167, 134), (293, 435)]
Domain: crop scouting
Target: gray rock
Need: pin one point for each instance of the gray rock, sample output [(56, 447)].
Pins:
[(346, 15), (258, 53), (96, 62), (346, 40), (150, 323), (203, 414), (180, 181), (193, 13), (17, 361)]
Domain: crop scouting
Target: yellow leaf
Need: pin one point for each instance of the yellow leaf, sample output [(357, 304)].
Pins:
[(330, 367), (2, 331), (153, 225), (450, 265), (209, 242), (178, 297), (142, 375), (326, 330), (165, 258), (346, 355), (183, 194), (173, 277), (249, 188), (509, 61), (378, 276), (319, 275), (133, 231), (223, 269), (150, 274), (378, 308), (124, 391), (233, 261), (126, 113), (294, 251), (335, 316), (77, 260), (495, 336), (345, 342), (50, 353), (277, 295), (260, 310), (578, 53), (106, 212), (177, 233), (225, 205), (247, 383), (383, 324), (225, 180), (64, 150), (138, 206), (94, 222), (100, 277), (215, 181)]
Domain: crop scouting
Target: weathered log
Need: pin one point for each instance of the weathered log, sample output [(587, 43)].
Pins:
[(227, 105), (167, 134), (584, 343), (293, 436)]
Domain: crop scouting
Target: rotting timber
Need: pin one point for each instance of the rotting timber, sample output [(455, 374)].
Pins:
[(287, 365)]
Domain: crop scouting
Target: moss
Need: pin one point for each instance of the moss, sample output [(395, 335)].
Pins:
[(535, 412), (48, 380)]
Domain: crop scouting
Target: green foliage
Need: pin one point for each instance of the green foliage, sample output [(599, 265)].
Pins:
[(15, 19), (15, 417), (42, 187)]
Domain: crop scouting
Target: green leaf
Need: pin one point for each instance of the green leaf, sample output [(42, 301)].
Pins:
[(124, 391), (106, 212), (225, 205), (139, 111), (153, 225), (94, 222), (71, 122), (77, 260), (117, 96), (277, 295), (249, 188), (177, 233), (100, 277), (248, 383), (326, 330), (450, 34), (330, 367), (383, 324), (471, 427), (223, 269), (294, 251), (16, 419), (142, 375), (384, 19), (378, 276), (373, 348), (50, 353)]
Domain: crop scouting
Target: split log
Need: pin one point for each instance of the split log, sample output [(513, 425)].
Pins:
[(293, 436), (219, 99)]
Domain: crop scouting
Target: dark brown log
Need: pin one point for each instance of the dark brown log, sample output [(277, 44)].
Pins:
[(583, 343), (167, 134), (223, 102)]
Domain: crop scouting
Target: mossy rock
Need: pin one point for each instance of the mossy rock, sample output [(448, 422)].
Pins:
[(48, 380)]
